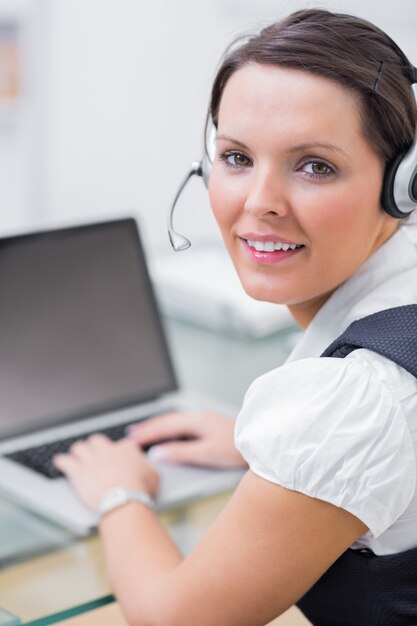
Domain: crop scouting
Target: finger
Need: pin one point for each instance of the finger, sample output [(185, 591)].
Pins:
[(65, 462), (130, 450), (168, 426), (79, 448), (129, 447), (98, 440), (191, 453)]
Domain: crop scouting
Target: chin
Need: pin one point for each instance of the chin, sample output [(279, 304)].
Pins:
[(263, 291)]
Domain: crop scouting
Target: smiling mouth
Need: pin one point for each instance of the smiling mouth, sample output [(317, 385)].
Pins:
[(272, 246)]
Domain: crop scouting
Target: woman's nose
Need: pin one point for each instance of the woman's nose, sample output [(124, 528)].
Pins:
[(267, 194)]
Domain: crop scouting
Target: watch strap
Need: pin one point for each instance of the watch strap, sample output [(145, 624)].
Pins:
[(118, 496)]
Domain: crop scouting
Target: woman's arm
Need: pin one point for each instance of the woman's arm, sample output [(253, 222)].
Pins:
[(264, 552)]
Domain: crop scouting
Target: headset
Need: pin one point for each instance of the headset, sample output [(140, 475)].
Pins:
[(399, 188)]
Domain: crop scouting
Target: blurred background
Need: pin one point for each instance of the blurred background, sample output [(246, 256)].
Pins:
[(102, 103)]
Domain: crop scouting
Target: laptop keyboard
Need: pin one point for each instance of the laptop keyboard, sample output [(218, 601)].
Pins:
[(39, 458)]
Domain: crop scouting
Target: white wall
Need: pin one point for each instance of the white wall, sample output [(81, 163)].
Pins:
[(129, 89), (21, 123), (125, 87)]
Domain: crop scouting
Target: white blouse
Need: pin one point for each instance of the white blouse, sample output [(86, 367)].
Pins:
[(345, 430)]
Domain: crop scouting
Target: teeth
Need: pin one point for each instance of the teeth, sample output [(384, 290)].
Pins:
[(270, 246)]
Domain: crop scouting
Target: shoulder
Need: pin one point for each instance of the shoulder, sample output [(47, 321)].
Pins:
[(399, 381), (316, 383), (332, 429)]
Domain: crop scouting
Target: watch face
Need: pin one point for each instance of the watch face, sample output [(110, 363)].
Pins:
[(113, 498), (118, 493)]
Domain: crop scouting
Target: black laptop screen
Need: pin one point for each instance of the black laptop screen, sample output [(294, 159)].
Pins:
[(80, 332)]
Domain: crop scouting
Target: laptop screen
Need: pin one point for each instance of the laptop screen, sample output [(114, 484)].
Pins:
[(80, 331)]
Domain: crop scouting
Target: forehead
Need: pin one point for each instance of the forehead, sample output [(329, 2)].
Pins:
[(265, 98)]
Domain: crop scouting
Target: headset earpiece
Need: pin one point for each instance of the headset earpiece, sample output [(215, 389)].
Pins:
[(399, 191)]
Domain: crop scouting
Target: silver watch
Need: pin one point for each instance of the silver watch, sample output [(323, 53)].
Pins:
[(118, 496)]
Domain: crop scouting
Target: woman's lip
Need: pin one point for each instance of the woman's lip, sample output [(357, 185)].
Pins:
[(255, 237), (262, 257)]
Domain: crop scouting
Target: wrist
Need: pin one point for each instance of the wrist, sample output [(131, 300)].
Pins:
[(117, 497)]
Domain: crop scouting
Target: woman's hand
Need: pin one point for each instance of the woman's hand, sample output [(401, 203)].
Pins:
[(97, 464), (210, 435)]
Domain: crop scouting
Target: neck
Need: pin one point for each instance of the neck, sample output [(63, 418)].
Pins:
[(304, 312)]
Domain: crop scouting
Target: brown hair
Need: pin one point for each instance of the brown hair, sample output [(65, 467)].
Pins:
[(343, 48)]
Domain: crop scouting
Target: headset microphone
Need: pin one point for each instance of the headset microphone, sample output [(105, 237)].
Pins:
[(198, 168), (178, 241)]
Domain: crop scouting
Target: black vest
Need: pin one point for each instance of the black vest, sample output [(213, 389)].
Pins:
[(360, 588)]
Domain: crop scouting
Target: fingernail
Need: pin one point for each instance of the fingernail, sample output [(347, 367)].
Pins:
[(157, 453)]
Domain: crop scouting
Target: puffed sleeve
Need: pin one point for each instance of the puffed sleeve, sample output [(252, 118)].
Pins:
[(331, 429)]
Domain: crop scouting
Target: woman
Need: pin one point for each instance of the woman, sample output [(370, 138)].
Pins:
[(308, 115)]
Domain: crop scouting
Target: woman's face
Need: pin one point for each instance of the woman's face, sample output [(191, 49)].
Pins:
[(295, 187)]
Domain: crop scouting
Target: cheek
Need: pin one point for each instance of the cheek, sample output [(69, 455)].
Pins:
[(342, 228), (343, 212), (214, 198), (226, 200)]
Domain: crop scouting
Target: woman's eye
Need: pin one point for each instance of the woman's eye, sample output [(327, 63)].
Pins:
[(317, 169), (236, 159)]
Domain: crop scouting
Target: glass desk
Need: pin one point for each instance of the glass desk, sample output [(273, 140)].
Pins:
[(48, 574)]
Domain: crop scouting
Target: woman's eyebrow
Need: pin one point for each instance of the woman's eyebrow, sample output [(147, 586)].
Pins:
[(309, 146), (228, 138), (298, 148)]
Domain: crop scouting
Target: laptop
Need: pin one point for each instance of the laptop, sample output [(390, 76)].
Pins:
[(82, 350)]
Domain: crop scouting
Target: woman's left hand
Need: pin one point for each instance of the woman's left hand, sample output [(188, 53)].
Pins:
[(95, 465)]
